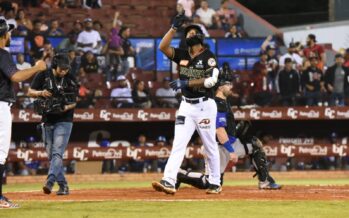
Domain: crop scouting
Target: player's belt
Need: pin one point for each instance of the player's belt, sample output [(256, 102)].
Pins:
[(194, 100)]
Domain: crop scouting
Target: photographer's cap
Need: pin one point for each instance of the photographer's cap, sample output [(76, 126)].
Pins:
[(5, 26)]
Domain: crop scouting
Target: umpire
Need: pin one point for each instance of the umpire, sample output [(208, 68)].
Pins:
[(59, 86), (8, 74)]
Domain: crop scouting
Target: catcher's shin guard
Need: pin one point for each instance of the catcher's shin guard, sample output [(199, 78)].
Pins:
[(198, 180), (259, 161)]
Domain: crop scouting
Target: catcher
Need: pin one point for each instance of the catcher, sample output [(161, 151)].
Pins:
[(234, 143)]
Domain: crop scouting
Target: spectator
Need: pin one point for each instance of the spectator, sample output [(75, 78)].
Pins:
[(261, 93), (121, 96), (54, 29), (337, 81), (207, 15), (91, 4), (68, 43), (89, 39), (196, 21), (74, 62), (8, 10), (50, 3), (117, 23), (85, 97), (24, 101), (295, 58), (313, 83), (346, 58), (139, 165), (272, 67), (233, 32), (97, 25), (288, 84), (89, 64), (42, 18), (140, 95), (24, 25), (316, 50), (48, 53), (159, 164), (37, 40), (226, 16), (26, 168), (188, 6), (166, 91), (21, 64), (114, 53), (125, 33)]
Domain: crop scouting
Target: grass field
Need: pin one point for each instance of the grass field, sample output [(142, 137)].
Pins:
[(178, 208)]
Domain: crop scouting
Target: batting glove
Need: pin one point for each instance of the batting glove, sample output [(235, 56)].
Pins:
[(179, 84), (178, 21)]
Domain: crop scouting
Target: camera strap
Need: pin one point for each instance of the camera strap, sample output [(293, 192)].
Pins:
[(54, 84)]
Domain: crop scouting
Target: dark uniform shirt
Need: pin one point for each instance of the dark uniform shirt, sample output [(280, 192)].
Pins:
[(41, 81), (197, 67), (7, 69), (225, 117)]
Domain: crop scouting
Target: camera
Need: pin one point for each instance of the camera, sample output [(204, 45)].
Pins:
[(54, 104)]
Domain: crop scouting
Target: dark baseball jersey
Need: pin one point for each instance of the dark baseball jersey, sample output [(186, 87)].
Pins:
[(7, 69), (197, 67), (225, 117)]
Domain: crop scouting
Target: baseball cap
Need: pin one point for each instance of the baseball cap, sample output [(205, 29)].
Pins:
[(270, 47), (292, 45), (338, 55), (312, 37), (121, 77), (166, 79), (5, 26), (161, 139), (87, 20)]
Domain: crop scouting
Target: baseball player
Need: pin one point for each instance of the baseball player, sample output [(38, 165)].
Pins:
[(198, 75), (234, 143), (8, 74)]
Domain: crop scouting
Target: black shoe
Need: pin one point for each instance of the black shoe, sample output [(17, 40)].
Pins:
[(164, 186), (63, 190), (214, 189), (47, 188)]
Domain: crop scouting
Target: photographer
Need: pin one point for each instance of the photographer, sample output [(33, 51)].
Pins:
[(55, 91)]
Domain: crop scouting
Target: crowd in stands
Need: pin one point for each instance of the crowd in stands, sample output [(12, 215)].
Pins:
[(300, 76), (100, 59)]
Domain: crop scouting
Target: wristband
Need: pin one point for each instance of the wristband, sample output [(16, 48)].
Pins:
[(228, 145)]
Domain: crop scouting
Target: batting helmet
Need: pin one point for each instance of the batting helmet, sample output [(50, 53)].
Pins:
[(5, 27)]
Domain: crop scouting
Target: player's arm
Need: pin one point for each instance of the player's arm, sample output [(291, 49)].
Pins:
[(205, 82), (9, 68), (166, 40), (222, 136)]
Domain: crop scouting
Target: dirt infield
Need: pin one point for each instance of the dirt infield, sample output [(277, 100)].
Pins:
[(322, 192), (188, 193)]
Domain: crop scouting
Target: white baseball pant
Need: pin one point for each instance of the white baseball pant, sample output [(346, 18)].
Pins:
[(5, 130), (202, 117)]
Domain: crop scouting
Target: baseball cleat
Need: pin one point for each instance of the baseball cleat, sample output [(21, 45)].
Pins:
[(269, 186), (5, 203), (164, 186), (63, 190), (47, 188), (214, 189)]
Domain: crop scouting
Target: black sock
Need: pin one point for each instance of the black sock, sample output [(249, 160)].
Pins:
[(2, 169)]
